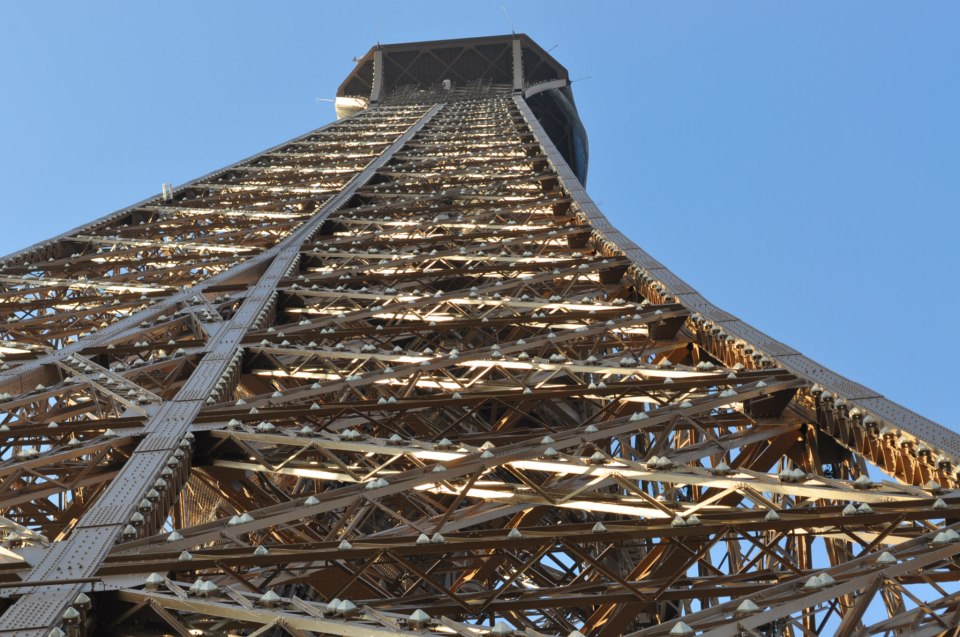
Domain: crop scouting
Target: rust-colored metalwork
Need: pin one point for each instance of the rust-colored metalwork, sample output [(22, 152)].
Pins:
[(400, 376)]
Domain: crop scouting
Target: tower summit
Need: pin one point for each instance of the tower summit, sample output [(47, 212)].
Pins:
[(401, 376), (503, 65)]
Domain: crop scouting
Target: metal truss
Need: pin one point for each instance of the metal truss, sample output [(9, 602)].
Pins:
[(400, 377)]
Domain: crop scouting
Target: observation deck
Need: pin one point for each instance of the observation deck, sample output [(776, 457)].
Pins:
[(446, 70)]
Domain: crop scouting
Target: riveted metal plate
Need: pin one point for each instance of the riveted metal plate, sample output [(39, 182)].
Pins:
[(174, 415), (159, 442), (721, 316), (694, 302), (106, 515), (642, 258), (817, 373), (191, 395), (26, 618)]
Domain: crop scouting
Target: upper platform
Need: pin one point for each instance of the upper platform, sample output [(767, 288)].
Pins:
[(444, 70)]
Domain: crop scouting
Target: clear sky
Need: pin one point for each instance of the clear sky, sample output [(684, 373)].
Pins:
[(796, 162)]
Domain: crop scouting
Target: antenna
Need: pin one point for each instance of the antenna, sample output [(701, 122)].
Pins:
[(513, 29)]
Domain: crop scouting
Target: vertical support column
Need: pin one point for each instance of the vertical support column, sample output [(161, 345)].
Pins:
[(517, 65), (377, 76)]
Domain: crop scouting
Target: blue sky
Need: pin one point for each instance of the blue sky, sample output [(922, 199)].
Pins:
[(796, 162)]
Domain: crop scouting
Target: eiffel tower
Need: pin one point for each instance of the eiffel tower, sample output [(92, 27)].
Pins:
[(400, 376)]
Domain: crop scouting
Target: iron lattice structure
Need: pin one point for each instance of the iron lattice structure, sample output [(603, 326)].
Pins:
[(400, 376)]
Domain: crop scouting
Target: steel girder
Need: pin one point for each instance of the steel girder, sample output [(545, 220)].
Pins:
[(400, 376)]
